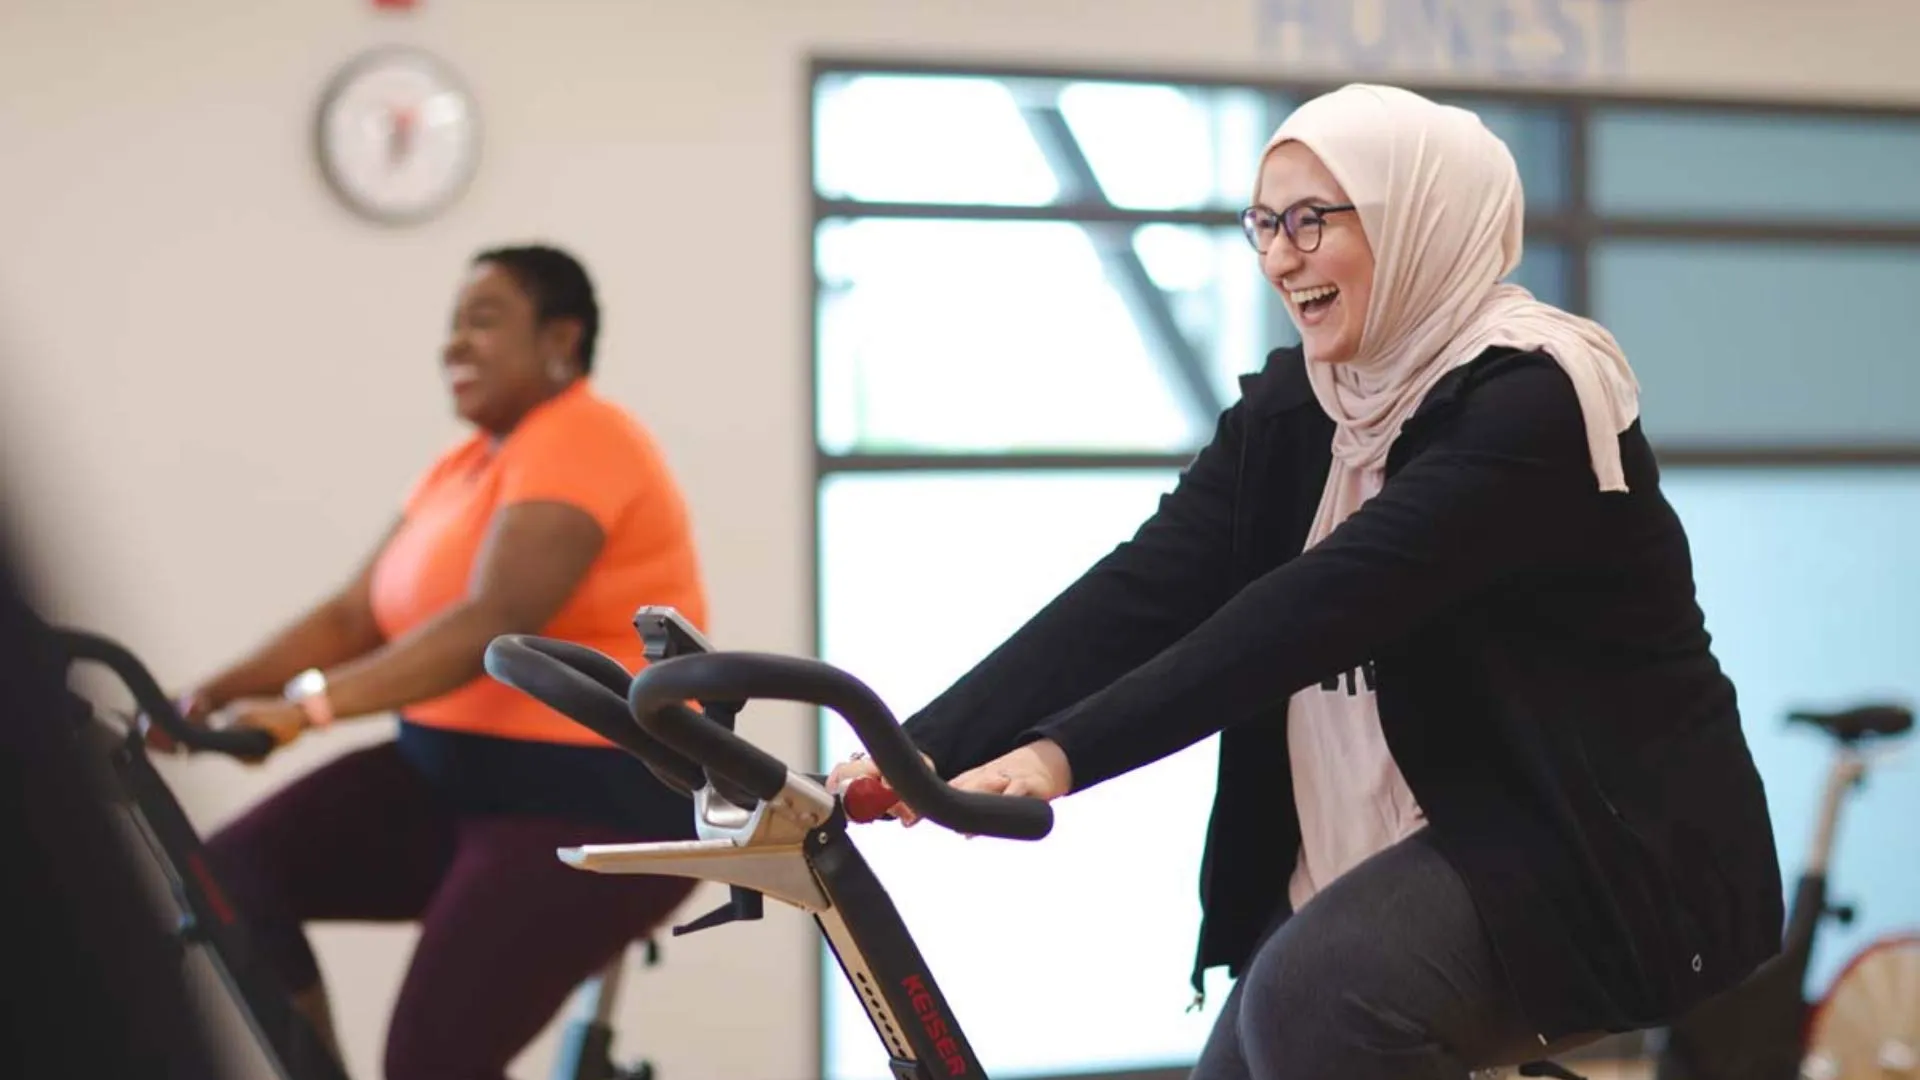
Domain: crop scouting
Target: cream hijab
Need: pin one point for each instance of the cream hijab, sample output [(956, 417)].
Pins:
[(1439, 197)]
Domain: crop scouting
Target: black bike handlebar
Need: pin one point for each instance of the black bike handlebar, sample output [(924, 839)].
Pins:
[(152, 701), (744, 676), (590, 688)]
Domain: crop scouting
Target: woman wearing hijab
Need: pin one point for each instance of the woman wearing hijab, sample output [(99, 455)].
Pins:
[(1483, 792)]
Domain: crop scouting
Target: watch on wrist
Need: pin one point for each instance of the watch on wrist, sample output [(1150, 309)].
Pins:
[(309, 691)]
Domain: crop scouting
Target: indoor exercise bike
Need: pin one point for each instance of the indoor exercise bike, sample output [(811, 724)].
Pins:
[(203, 916), (765, 830), (1765, 1028)]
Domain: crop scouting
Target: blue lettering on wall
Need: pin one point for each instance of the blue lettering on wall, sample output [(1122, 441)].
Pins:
[(1277, 16), (1562, 39), (1613, 36), (1373, 46), (1561, 26)]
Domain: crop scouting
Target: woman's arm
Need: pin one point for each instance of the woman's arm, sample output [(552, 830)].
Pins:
[(1130, 605), (1505, 488), (534, 556), (335, 630)]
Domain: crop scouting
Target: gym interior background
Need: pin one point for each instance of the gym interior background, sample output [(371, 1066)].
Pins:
[(927, 301)]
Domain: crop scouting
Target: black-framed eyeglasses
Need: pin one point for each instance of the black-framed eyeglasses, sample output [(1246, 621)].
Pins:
[(1302, 224)]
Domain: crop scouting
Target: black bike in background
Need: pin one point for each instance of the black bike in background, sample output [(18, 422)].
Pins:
[(1866, 1026), (201, 921)]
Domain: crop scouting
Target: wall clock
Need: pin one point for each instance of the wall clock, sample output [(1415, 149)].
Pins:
[(398, 135)]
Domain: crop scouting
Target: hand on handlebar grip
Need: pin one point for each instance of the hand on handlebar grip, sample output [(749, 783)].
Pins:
[(866, 794), (868, 798), (1037, 770), (194, 707)]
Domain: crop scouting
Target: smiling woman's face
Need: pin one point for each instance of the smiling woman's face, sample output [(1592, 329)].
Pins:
[(1326, 289), (500, 358)]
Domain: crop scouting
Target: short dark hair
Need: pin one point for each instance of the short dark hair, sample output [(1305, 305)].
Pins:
[(558, 286)]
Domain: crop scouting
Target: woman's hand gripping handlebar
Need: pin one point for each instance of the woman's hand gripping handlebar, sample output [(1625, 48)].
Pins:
[(1037, 769), (744, 676), (244, 744), (868, 798)]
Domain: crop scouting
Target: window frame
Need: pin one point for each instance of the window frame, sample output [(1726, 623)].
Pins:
[(1576, 228)]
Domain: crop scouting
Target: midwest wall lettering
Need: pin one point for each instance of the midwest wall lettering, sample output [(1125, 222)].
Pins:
[(1552, 39)]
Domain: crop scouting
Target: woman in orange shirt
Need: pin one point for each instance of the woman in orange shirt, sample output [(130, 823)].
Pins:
[(557, 515)]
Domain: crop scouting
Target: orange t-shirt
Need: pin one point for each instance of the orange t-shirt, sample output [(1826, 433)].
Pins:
[(576, 448)]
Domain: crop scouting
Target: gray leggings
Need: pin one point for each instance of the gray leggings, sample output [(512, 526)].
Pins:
[(1385, 975)]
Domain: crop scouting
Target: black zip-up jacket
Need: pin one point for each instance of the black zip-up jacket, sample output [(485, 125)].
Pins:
[(1543, 671)]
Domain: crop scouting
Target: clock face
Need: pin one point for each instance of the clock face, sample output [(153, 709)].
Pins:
[(398, 135)]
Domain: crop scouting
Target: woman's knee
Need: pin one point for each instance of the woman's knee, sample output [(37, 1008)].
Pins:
[(242, 856), (466, 1009), (245, 873), (1304, 978), (243, 862), (1331, 997), (413, 1053)]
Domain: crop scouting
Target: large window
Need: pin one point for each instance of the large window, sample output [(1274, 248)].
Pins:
[(926, 571), (1032, 302)]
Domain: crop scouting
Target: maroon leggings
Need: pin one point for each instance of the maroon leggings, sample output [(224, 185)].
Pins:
[(507, 930)]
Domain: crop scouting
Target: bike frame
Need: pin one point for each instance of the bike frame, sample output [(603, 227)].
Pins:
[(796, 850), (208, 918)]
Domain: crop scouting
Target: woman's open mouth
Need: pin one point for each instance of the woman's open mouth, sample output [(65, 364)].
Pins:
[(1313, 304), (460, 376)]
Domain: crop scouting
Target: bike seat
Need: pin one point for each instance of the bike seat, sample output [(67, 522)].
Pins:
[(1851, 725)]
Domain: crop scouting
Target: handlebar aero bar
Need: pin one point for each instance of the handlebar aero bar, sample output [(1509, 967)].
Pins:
[(785, 836), (743, 676), (590, 688)]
